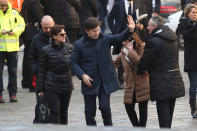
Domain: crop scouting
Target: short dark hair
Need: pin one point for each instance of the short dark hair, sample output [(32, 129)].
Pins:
[(56, 29), (91, 23)]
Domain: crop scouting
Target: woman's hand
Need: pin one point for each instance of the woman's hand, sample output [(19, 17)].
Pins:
[(130, 46), (41, 94)]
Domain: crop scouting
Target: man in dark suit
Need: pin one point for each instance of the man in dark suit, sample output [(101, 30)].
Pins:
[(91, 61), (117, 21)]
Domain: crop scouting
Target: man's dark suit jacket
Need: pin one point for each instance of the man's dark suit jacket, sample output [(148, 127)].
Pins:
[(116, 16)]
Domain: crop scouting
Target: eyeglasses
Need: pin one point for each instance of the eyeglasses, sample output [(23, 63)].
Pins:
[(62, 34), (4, 5)]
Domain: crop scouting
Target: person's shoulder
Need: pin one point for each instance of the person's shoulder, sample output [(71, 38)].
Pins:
[(36, 36), (46, 48), (118, 3), (79, 42)]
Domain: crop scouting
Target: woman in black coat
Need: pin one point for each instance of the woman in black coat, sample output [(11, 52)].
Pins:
[(54, 80), (188, 27)]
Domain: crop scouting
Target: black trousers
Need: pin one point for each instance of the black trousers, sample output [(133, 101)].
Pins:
[(143, 109), (165, 110), (12, 59), (104, 107), (58, 105), (27, 73)]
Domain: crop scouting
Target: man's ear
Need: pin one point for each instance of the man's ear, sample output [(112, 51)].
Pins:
[(86, 30)]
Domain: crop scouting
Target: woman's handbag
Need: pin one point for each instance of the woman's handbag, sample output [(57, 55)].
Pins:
[(43, 111)]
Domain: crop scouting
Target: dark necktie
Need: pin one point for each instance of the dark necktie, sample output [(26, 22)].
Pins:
[(129, 9)]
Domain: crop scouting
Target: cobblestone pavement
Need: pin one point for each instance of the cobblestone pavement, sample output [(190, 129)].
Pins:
[(22, 112)]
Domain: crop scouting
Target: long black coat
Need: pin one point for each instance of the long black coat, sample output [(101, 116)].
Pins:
[(32, 13), (54, 72), (189, 30), (160, 59), (96, 61), (64, 12)]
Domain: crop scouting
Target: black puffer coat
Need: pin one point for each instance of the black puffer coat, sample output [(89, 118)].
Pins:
[(160, 59), (54, 73), (189, 30)]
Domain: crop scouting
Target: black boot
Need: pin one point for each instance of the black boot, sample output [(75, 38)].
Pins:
[(192, 103)]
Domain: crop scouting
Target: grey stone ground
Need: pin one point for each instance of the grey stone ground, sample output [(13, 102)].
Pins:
[(14, 116)]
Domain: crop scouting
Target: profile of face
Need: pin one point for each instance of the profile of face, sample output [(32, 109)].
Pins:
[(193, 14), (93, 33), (60, 37), (3, 5), (46, 26), (151, 26)]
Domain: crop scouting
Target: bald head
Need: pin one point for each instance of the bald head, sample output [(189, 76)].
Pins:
[(47, 23), (47, 20), (3, 5)]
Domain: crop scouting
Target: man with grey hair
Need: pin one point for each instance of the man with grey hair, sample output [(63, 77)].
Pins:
[(160, 59)]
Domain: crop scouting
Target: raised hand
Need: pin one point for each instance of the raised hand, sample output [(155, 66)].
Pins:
[(131, 23)]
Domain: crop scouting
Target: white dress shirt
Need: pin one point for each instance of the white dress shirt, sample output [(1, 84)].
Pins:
[(127, 6)]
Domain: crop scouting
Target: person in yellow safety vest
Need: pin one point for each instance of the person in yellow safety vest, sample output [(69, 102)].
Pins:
[(11, 27), (16, 4)]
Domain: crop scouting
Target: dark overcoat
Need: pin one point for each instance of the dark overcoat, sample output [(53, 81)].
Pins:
[(160, 59), (189, 30), (96, 61)]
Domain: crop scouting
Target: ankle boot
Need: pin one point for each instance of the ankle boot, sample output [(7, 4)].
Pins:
[(192, 103)]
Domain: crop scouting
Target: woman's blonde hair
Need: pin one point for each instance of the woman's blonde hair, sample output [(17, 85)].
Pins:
[(188, 8)]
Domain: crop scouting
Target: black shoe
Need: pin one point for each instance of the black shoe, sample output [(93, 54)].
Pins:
[(13, 99), (194, 115)]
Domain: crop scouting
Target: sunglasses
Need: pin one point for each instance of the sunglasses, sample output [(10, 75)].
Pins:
[(62, 34), (4, 5)]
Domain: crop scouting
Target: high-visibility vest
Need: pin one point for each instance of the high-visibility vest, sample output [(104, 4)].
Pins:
[(16, 4), (10, 21)]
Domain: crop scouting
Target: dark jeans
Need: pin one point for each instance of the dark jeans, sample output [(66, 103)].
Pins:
[(130, 108), (104, 107), (58, 105), (11, 58), (193, 84), (27, 73), (165, 110)]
